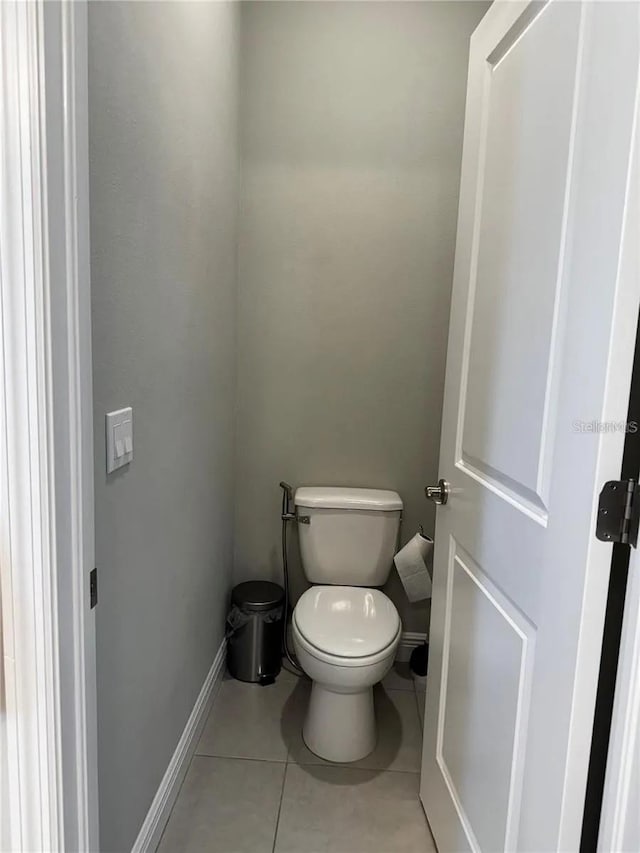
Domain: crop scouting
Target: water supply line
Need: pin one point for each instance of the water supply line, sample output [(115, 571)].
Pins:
[(287, 515)]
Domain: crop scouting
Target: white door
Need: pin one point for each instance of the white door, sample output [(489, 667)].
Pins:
[(540, 349)]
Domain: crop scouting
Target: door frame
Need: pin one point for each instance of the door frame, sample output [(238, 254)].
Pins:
[(619, 821), (49, 717), (619, 824)]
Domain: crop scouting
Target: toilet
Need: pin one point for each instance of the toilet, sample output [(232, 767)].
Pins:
[(345, 631)]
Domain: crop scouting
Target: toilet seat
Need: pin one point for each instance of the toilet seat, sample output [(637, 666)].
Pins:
[(338, 661), (345, 625)]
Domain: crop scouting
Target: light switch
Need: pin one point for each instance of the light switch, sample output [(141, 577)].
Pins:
[(118, 437), (119, 428)]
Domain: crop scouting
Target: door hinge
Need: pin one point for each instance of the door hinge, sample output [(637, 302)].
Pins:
[(93, 588), (619, 512)]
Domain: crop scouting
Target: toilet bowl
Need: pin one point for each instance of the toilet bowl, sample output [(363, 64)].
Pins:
[(345, 631), (346, 640)]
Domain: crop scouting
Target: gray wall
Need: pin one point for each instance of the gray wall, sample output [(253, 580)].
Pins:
[(351, 138), (162, 100)]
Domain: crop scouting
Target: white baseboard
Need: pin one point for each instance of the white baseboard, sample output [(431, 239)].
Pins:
[(408, 642), (158, 814)]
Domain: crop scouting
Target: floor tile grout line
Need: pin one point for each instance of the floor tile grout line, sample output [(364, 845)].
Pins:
[(296, 763), (242, 758), (275, 832), (397, 690), (334, 765)]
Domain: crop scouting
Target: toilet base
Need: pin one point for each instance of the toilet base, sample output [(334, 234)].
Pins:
[(340, 727)]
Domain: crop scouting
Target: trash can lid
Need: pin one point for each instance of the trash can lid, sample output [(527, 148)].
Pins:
[(256, 596)]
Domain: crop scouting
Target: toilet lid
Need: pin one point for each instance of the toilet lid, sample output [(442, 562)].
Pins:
[(347, 621)]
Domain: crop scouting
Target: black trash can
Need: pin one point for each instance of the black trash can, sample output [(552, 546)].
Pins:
[(254, 631)]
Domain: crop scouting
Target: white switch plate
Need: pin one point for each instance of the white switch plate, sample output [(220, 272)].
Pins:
[(119, 427)]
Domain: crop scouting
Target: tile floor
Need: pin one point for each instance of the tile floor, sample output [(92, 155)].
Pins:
[(254, 786)]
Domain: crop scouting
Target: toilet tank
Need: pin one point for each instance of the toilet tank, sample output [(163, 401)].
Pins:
[(351, 534)]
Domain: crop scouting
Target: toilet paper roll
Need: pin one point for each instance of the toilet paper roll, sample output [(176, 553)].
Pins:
[(412, 563)]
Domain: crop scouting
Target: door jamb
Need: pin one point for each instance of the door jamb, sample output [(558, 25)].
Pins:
[(611, 660), (616, 806), (46, 458)]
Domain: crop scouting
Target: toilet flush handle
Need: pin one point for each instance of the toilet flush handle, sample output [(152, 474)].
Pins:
[(438, 494)]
